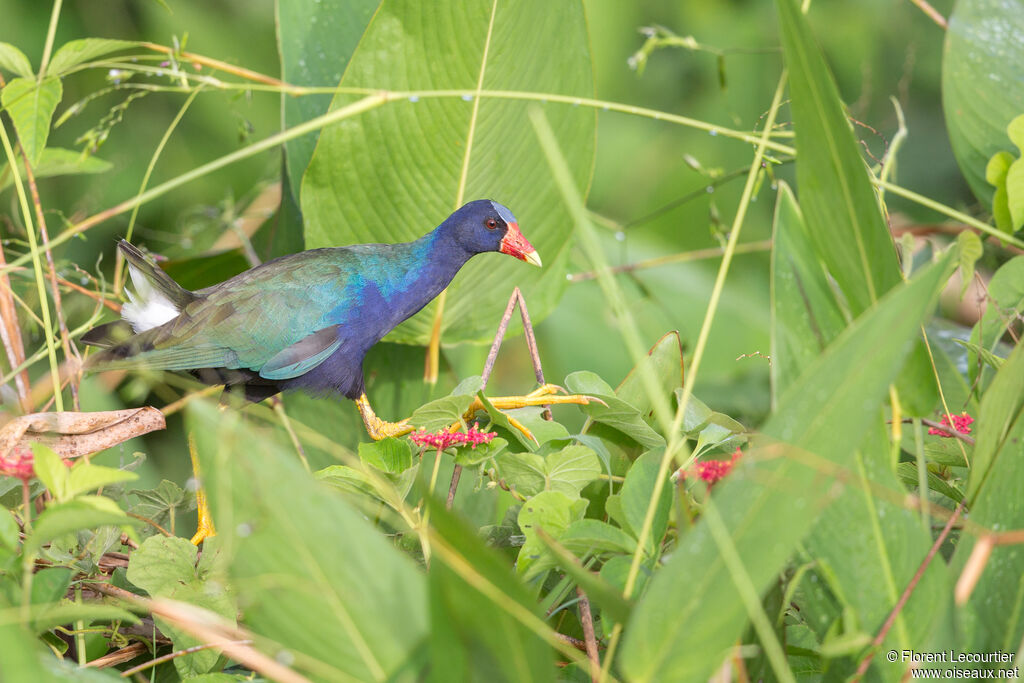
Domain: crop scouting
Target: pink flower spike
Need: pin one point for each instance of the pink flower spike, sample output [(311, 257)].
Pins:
[(445, 439), (961, 423), (20, 464), (712, 471)]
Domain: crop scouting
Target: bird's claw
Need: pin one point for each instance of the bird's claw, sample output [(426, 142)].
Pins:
[(382, 429)]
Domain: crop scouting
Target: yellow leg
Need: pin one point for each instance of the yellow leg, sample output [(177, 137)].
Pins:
[(204, 527), (545, 395), (377, 428), (542, 396)]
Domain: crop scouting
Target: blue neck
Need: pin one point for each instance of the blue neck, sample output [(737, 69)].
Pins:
[(397, 281)]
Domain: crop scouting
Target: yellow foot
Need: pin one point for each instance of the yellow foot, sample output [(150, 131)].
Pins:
[(381, 429), (204, 527), (377, 428)]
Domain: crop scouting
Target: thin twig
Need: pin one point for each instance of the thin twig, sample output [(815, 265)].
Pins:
[(683, 257), (492, 355), (880, 638), (70, 351), (531, 344), (125, 654), (177, 653), (931, 13), (220, 66), (208, 627), (587, 620), (10, 334)]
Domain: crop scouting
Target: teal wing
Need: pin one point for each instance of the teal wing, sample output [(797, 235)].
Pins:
[(274, 315), (303, 355)]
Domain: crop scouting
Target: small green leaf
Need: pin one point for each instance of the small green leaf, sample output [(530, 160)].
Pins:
[(543, 430), (15, 61), (616, 570), (553, 512), (1015, 175), (524, 472), (721, 431), (500, 419), (68, 612), (84, 512), (55, 161), (8, 530), (78, 51), (995, 174), (907, 472), (570, 469), (637, 492), (987, 357), (52, 471), (441, 412), (388, 455), (609, 598), (970, 250), (31, 106), (592, 536), (50, 585), (88, 477), (162, 564), (617, 414), (475, 456), (159, 503), (1006, 303), (167, 567)]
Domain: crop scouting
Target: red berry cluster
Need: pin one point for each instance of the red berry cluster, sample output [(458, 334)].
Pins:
[(711, 471), (445, 439), (961, 423)]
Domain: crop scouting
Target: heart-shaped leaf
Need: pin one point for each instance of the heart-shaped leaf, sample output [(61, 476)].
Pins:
[(392, 174)]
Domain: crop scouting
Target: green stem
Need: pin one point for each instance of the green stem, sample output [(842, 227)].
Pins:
[(37, 266), (51, 33)]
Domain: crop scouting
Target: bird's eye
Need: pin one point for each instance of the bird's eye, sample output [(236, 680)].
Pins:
[(491, 223)]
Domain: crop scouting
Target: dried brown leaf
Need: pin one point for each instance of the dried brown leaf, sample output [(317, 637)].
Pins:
[(74, 434)]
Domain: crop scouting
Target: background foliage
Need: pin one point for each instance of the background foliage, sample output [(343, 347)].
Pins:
[(815, 214)]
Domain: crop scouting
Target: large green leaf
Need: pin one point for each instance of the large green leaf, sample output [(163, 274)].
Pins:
[(843, 216), (995, 612), (314, 575), (805, 314), (981, 90), (472, 599), (1001, 408), (774, 495), (316, 40), (31, 106), (392, 174), (867, 539)]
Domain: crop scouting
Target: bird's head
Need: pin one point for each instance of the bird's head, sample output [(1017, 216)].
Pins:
[(485, 225)]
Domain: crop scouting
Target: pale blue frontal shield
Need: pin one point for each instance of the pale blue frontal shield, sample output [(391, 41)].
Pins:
[(505, 214)]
